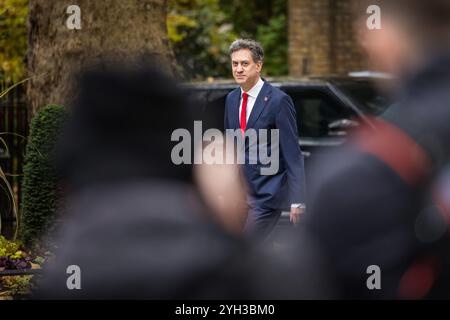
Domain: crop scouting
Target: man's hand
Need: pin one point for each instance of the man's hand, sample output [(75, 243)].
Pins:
[(295, 214)]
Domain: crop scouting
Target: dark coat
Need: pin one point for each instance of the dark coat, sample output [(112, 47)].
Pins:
[(374, 202)]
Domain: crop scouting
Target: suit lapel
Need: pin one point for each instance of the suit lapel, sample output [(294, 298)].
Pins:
[(235, 102), (261, 101)]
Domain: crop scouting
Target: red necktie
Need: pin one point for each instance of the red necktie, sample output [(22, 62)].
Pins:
[(244, 111)]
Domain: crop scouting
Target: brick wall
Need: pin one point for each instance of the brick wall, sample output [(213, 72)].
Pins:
[(321, 40)]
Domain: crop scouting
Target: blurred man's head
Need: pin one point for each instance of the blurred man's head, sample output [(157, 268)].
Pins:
[(246, 62), (121, 127), (412, 31)]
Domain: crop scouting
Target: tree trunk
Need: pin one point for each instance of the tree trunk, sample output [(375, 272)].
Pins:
[(110, 29)]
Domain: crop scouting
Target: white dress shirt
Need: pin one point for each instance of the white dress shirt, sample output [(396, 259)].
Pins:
[(252, 95)]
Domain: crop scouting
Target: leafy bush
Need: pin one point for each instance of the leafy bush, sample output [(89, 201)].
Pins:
[(12, 256), (40, 199), (273, 38), (8, 248), (16, 287), (13, 39), (200, 32)]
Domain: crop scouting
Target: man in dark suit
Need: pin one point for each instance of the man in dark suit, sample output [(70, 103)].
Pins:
[(257, 106)]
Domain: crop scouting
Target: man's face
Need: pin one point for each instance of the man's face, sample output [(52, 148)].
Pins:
[(246, 71)]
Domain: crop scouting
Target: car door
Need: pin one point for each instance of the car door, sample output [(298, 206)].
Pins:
[(208, 105), (323, 120)]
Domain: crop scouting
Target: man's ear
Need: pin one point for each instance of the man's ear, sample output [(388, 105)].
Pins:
[(259, 66)]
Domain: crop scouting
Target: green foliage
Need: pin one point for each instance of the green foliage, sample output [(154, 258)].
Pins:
[(13, 39), (266, 22), (273, 38), (9, 248), (201, 31), (200, 35), (17, 287), (248, 16), (40, 199), (12, 257)]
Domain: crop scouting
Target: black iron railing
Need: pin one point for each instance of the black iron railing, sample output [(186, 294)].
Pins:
[(13, 132)]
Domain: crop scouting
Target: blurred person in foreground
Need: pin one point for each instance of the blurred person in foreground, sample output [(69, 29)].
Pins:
[(380, 200), (136, 225)]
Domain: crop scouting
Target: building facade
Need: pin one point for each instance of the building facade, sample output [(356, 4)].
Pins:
[(321, 38)]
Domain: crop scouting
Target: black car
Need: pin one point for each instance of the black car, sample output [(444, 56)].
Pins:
[(326, 108)]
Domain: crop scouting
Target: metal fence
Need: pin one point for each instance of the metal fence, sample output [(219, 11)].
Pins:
[(13, 131)]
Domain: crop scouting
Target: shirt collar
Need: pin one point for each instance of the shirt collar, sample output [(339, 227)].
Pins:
[(253, 92)]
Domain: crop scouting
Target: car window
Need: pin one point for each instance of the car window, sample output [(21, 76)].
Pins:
[(316, 110), (366, 97), (209, 105), (216, 109), (198, 99)]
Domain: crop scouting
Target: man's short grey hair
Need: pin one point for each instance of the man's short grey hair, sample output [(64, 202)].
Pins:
[(252, 45)]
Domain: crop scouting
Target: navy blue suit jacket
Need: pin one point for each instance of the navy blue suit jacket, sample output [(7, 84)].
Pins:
[(273, 109)]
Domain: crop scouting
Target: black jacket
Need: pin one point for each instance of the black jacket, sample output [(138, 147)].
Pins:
[(374, 202)]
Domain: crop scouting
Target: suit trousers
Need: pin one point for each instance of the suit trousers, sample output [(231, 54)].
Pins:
[(261, 222)]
